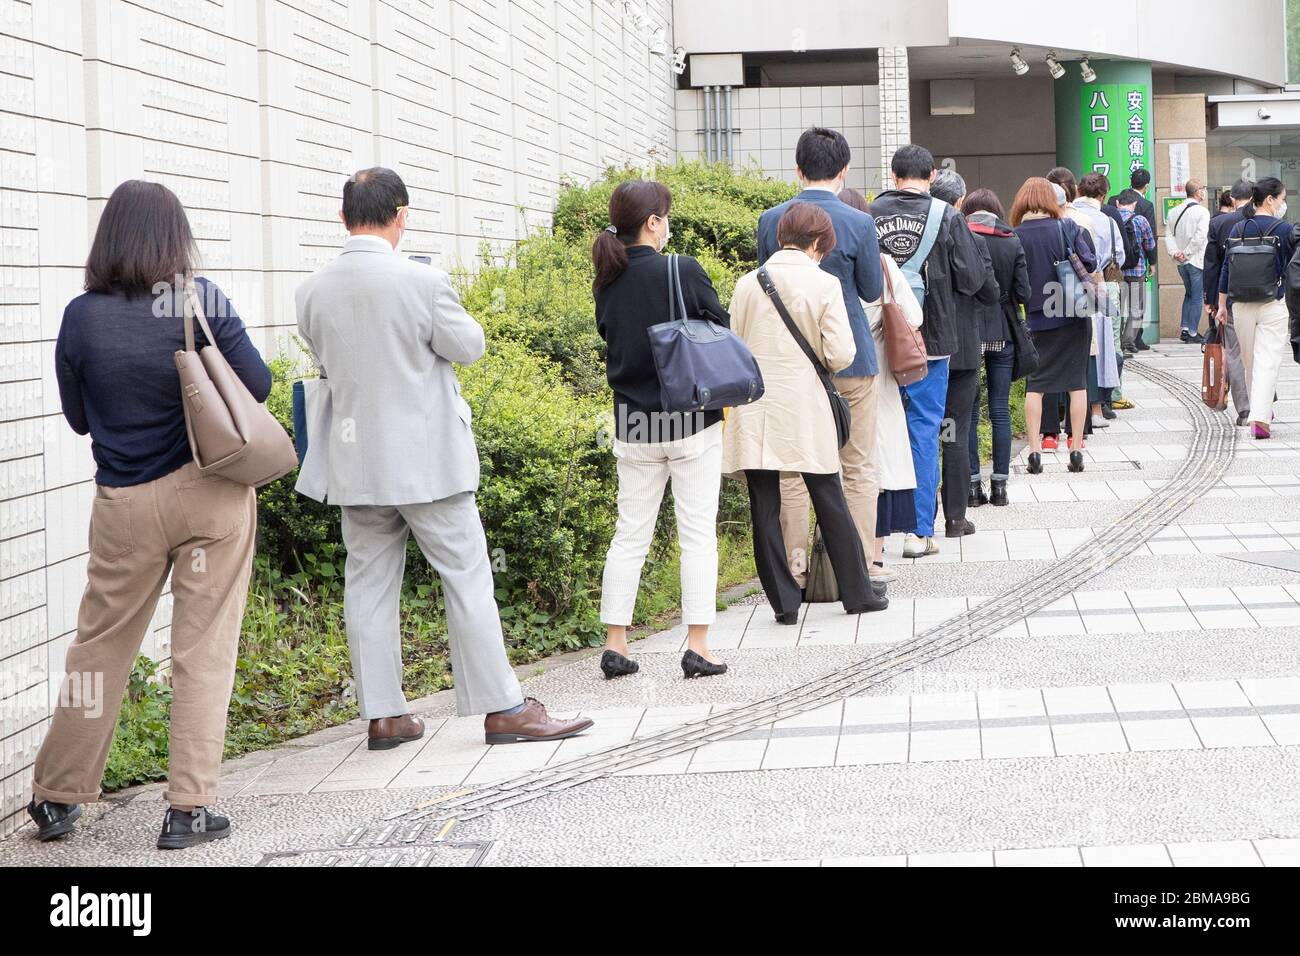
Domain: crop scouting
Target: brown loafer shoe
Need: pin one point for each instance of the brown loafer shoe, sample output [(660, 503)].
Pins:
[(389, 732), (531, 723)]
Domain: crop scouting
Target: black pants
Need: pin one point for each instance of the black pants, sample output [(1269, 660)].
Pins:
[(1056, 409), (838, 532), (954, 439)]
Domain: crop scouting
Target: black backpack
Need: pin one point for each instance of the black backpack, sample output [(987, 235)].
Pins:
[(1132, 251), (1252, 265)]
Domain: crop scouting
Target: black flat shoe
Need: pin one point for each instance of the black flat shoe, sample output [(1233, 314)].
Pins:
[(878, 588), (998, 493), (1076, 461), (789, 617), (1035, 465), (183, 828), (958, 529), (613, 664), (693, 665), (877, 603), (53, 820)]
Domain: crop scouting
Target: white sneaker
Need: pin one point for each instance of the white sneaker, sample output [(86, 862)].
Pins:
[(882, 574), (917, 547)]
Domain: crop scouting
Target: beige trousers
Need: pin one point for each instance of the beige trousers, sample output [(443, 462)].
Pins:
[(1263, 329), (859, 473), (201, 530)]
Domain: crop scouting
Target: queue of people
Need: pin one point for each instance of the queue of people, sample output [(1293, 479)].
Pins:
[(1052, 291)]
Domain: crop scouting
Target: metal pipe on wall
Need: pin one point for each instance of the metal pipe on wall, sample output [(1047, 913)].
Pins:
[(708, 123), (728, 126), (717, 118)]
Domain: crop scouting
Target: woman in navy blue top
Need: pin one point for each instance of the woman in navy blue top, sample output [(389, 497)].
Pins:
[(1063, 339), (1263, 328), (154, 517)]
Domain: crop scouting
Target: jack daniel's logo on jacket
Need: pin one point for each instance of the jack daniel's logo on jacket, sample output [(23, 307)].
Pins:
[(900, 234)]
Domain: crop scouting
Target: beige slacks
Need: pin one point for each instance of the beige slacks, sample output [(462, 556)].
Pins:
[(1263, 329), (859, 470), (202, 530)]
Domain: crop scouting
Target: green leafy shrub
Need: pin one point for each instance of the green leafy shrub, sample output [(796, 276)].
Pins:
[(139, 749)]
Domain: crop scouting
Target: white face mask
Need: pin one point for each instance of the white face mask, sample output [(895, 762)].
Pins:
[(668, 231), (1280, 212)]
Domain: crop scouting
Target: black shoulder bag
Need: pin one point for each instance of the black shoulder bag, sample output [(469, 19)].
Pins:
[(839, 405)]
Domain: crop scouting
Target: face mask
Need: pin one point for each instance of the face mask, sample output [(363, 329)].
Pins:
[(668, 231), (1280, 212)]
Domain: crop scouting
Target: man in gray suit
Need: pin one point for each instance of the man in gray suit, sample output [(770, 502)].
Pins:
[(396, 452)]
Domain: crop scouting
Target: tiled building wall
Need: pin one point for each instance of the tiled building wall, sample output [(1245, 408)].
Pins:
[(770, 119), (254, 111)]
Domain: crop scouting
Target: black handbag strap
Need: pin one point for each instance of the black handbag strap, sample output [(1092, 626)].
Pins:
[(765, 282), (675, 298)]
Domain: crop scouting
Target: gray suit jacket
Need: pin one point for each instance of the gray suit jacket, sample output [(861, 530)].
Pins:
[(385, 330)]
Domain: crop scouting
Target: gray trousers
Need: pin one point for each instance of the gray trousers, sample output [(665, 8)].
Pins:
[(450, 533), (1236, 369)]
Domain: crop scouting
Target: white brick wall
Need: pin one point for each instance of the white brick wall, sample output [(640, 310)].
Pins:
[(770, 119), (254, 112)]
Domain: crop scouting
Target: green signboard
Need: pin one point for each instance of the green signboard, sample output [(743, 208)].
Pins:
[(1117, 135)]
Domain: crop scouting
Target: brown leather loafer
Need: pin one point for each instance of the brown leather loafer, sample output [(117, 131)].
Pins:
[(389, 732), (531, 723)]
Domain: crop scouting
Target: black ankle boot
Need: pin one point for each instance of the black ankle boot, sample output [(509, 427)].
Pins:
[(958, 528), (184, 828), (998, 492), (977, 496), (1035, 465)]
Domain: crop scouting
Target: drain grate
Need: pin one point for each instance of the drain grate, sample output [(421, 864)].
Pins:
[(438, 854), (1209, 454)]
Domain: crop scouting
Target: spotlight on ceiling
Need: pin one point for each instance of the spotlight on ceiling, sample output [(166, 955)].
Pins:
[(1054, 66), (658, 42), (1018, 65), (679, 60), (1089, 74)]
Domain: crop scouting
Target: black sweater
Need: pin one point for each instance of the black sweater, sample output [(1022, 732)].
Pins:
[(625, 310)]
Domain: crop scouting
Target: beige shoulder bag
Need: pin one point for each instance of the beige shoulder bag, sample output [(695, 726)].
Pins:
[(231, 434)]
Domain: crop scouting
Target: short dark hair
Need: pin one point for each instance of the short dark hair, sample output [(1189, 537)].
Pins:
[(983, 200), (1094, 186), (821, 153), (143, 238), (1242, 190), (1140, 178), (1128, 197), (372, 197), (804, 224), (912, 162)]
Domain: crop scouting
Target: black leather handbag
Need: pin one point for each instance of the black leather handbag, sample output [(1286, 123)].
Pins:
[(839, 405)]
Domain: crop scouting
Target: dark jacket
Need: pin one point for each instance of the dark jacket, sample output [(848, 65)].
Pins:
[(114, 360), (855, 261), (1216, 239), (970, 310), (1144, 208), (954, 267), (1012, 273), (1045, 241), (625, 310)]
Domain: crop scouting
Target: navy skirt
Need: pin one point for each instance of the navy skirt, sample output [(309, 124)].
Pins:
[(895, 512)]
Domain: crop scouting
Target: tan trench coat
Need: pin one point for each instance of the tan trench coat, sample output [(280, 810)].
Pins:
[(790, 428)]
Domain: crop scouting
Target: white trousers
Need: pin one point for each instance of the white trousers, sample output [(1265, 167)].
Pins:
[(695, 466), (1263, 329)]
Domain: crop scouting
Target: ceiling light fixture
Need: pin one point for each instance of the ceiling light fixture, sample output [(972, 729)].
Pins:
[(1018, 65)]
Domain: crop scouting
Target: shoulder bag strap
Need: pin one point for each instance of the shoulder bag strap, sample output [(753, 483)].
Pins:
[(675, 278), (929, 236), (765, 281), (194, 310), (1182, 211)]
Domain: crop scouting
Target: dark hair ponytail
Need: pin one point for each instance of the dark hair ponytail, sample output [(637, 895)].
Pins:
[(1261, 190), (630, 205)]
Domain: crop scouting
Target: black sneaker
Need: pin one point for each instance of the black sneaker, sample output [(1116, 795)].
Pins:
[(53, 820), (183, 828), (1192, 338)]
